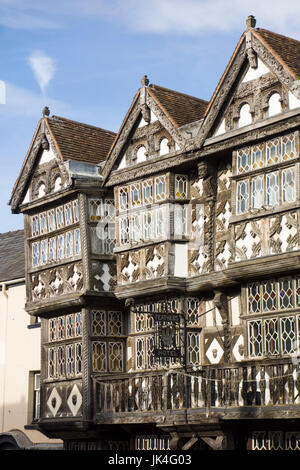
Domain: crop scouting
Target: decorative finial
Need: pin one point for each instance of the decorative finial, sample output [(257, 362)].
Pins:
[(46, 111), (145, 81), (251, 21)]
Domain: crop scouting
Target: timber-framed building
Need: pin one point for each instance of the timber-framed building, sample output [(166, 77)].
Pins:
[(163, 263)]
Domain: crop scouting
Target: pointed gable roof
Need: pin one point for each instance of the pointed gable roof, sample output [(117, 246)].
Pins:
[(285, 49), (181, 108), (80, 142), (281, 55), (72, 140)]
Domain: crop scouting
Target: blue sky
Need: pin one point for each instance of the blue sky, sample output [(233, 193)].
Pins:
[(85, 59)]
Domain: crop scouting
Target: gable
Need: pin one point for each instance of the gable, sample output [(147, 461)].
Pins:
[(152, 127), (260, 81)]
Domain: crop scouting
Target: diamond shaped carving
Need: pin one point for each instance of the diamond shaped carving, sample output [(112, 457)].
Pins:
[(214, 352), (74, 400), (54, 401)]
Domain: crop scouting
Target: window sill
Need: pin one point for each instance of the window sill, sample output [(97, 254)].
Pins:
[(263, 212)]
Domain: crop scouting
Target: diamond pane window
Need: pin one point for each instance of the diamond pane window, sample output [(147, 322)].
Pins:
[(76, 211), (193, 348), (78, 324), (124, 230), (115, 357), (52, 329), (139, 321), (288, 147), (95, 207), (297, 291), (61, 328), (114, 323), (70, 359), (140, 353), (35, 254), (70, 326), (272, 152), (193, 311), (257, 192), (136, 227), (243, 160), (68, 214), (60, 217), (160, 221), (288, 335), (35, 226), (51, 362), (258, 156), (61, 247), (148, 220), (123, 199), (98, 323), (51, 220), (242, 196), (255, 338), (77, 245), (44, 252), (61, 361), (78, 358), (181, 186), (269, 296), (150, 358), (69, 244), (254, 304), (99, 356), (135, 192), (271, 336), (43, 223), (147, 192), (272, 189), (288, 185), (160, 188), (286, 293)]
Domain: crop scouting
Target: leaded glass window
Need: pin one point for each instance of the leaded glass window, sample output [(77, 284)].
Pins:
[(258, 156), (257, 192), (35, 225), (70, 360), (243, 160), (69, 244), (44, 252), (99, 356), (78, 358), (148, 219), (51, 220), (181, 186), (193, 311), (147, 192), (272, 151), (35, 254), (288, 147), (60, 217), (160, 188), (61, 328), (124, 230), (70, 326), (193, 348), (286, 293), (43, 223), (51, 362), (272, 189), (288, 335), (114, 323), (269, 296), (136, 226), (61, 247), (68, 214), (95, 209), (140, 353), (123, 199), (77, 245), (288, 185), (76, 211), (61, 361), (254, 303), (135, 193), (98, 323), (271, 336), (242, 196), (255, 335)]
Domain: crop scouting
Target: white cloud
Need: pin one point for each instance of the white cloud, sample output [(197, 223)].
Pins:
[(43, 68), (23, 102)]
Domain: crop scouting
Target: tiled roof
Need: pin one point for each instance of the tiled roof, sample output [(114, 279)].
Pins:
[(78, 141), (286, 49), (12, 261), (181, 108)]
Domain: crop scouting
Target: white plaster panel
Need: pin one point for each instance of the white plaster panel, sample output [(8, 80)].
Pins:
[(180, 269)]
